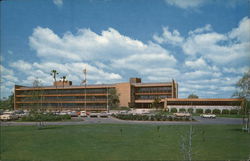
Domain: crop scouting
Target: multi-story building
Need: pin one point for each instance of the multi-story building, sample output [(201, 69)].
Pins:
[(63, 95)]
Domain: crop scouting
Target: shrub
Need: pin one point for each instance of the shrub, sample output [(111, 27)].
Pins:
[(216, 111), (225, 111), (173, 110), (234, 112), (199, 110), (170, 118), (190, 110), (208, 111), (182, 110), (45, 117)]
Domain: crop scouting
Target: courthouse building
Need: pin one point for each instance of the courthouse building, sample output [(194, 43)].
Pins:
[(65, 96)]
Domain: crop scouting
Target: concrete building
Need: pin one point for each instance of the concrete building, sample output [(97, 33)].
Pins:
[(64, 96), (203, 104)]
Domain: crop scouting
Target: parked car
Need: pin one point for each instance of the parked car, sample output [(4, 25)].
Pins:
[(8, 115), (63, 113), (83, 113), (93, 114), (209, 115), (103, 114), (182, 114), (73, 114)]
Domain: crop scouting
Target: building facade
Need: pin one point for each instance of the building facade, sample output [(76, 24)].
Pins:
[(65, 96), (203, 104)]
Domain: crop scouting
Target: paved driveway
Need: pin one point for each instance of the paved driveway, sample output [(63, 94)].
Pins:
[(111, 120)]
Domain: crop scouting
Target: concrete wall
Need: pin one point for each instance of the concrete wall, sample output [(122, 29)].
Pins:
[(124, 90)]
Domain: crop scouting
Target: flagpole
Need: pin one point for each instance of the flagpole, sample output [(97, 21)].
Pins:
[(85, 84)]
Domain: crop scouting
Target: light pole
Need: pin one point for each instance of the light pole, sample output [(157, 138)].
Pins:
[(85, 85), (107, 100)]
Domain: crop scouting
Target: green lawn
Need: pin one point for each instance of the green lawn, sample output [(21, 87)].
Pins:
[(135, 142)]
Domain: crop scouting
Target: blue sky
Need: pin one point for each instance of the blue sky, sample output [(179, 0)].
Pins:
[(204, 45)]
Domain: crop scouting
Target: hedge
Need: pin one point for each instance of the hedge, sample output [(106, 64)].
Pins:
[(190, 110), (216, 111), (151, 118), (234, 112), (45, 117), (182, 110), (208, 111), (225, 111), (173, 110), (199, 110)]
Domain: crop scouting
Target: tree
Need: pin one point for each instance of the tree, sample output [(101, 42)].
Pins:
[(243, 91), (191, 96), (113, 98), (7, 103), (156, 104)]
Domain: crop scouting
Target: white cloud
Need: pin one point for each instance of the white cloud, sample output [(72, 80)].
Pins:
[(21, 66), (185, 4), (206, 28), (87, 46), (58, 3), (197, 64), (168, 37), (241, 33), (73, 71), (240, 70), (8, 80), (201, 74)]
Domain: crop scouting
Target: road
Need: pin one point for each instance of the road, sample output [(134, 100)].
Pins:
[(111, 120)]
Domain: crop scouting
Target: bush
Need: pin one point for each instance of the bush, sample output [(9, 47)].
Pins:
[(182, 110), (170, 118), (45, 117), (225, 111), (208, 111), (173, 110), (199, 110), (190, 110), (234, 112), (216, 111)]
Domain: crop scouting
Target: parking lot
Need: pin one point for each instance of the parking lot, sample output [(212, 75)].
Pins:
[(112, 120)]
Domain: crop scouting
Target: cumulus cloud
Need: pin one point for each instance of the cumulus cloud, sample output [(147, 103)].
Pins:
[(207, 62), (58, 3), (86, 45), (168, 37), (118, 51), (241, 33), (185, 4), (73, 71)]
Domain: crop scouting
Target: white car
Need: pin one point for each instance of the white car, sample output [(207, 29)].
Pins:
[(7, 117), (103, 114), (209, 115), (83, 114), (182, 114)]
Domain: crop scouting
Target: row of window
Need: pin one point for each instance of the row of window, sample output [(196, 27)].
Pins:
[(81, 105), (65, 98), (153, 89), (63, 91), (151, 97)]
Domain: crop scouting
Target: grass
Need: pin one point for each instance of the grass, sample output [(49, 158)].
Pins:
[(122, 142)]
